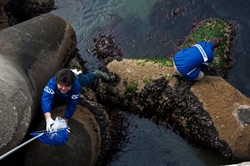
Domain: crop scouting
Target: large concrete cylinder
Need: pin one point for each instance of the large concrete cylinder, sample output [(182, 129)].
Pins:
[(31, 53), (82, 148)]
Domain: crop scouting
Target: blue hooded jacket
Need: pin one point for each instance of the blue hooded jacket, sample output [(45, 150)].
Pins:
[(72, 96), (188, 61)]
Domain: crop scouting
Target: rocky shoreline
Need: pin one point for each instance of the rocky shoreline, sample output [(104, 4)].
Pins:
[(163, 99), (150, 91)]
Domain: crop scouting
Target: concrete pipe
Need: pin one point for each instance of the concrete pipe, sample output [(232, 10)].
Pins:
[(31, 53), (82, 148)]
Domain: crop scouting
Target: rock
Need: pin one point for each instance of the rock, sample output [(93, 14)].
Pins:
[(33, 8), (147, 88), (3, 17), (209, 112)]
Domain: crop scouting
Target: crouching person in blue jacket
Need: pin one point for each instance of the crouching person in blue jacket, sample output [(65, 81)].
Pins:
[(189, 61), (66, 86)]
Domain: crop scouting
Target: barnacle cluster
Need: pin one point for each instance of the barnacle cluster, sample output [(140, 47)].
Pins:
[(106, 47)]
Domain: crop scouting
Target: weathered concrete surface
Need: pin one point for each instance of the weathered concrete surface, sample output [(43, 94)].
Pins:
[(230, 113), (31, 53), (82, 148), (209, 112)]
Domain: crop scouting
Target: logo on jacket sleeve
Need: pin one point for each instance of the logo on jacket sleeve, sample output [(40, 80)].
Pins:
[(50, 91), (75, 96)]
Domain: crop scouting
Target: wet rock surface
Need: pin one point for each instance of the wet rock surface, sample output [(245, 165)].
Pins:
[(3, 16), (17, 11), (112, 126)]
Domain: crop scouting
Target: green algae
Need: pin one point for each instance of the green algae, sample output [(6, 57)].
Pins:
[(212, 28), (209, 28), (147, 80), (159, 61), (131, 89)]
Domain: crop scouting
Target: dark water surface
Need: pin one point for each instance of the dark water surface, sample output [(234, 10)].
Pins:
[(149, 28)]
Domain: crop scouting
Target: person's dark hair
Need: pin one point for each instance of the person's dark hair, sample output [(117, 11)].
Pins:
[(65, 77), (215, 42)]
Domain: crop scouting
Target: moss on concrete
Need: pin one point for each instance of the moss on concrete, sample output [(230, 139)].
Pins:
[(208, 29), (204, 31), (159, 61), (131, 89)]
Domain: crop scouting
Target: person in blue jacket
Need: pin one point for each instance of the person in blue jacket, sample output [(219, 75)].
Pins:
[(66, 86), (189, 61)]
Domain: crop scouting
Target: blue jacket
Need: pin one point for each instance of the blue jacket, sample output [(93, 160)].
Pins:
[(72, 96), (188, 61)]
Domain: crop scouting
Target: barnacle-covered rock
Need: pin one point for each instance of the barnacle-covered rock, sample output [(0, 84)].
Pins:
[(209, 112)]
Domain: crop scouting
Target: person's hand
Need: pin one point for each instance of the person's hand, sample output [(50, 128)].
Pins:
[(66, 120), (100, 74), (49, 123), (76, 71)]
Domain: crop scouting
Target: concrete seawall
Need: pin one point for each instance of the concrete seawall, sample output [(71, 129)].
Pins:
[(31, 52)]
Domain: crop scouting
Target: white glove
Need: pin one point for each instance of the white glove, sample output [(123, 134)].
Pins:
[(76, 71), (49, 123)]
